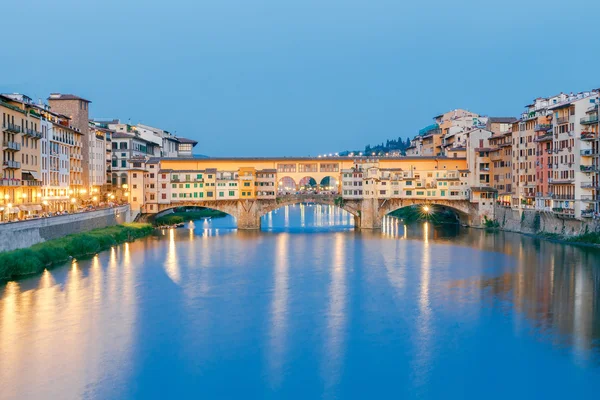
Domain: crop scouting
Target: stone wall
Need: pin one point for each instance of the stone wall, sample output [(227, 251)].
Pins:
[(23, 234), (531, 221)]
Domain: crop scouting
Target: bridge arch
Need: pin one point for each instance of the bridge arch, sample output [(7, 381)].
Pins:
[(351, 207), (465, 211), (330, 184), (286, 184), (307, 183)]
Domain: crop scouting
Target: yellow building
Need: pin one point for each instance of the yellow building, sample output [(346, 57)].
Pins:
[(21, 158)]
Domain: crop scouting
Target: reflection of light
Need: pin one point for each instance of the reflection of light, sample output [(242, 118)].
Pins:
[(336, 315), (171, 263), (279, 310), (424, 327)]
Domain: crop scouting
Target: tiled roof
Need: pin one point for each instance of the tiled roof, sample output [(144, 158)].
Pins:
[(60, 96)]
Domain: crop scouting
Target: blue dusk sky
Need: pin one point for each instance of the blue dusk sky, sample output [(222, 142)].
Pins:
[(298, 77)]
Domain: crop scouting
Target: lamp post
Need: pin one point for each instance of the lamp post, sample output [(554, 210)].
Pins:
[(8, 207), (73, 201)]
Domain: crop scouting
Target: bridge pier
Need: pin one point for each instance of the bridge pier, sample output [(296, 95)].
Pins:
[(369, 215), (248, 215)]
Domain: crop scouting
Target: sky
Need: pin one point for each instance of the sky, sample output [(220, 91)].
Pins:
[(298, 77)]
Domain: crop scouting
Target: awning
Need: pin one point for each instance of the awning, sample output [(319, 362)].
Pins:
[(35, 207), (35, 175), (24, 208), (13, 210)]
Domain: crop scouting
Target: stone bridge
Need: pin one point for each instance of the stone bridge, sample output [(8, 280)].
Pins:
[(368, 213)]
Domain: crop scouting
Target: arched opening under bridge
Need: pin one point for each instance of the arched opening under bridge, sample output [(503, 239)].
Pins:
[(430, 211)]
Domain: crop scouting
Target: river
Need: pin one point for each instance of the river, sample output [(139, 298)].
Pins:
[(308, 308)]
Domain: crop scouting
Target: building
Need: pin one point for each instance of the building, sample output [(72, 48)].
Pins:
[(20, 179), (77, 111)]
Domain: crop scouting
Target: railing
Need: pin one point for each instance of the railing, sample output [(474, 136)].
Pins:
[(587, 197), (543, 127), (11, 164), (589, 136), (12, 128), (589, 120), (544, 137), (587, 152), (589, 185), (588, 168), (10, 182), (26, 182), (562, 120), (12, 145), (587, 213), (563, 197)]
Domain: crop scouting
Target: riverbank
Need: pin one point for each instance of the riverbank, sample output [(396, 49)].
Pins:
[(33, 260), (178, 217)]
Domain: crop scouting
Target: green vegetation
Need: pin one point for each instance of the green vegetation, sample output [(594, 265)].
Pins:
[(182, 215), (33, 260), (435, 215), (589, 238), (490, 223)]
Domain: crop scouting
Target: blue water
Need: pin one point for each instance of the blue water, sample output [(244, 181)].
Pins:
[(308, 308)]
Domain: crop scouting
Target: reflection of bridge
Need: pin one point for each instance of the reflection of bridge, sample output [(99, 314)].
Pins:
[(368, 213)]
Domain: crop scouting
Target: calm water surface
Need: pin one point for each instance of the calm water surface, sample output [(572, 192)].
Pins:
[(308, 308)]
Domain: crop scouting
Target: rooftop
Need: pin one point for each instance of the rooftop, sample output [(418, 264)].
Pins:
[(61, 96), (501, 120)]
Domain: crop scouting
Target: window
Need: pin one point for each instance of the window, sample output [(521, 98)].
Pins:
[(209, 194), (231, 193), (135, 175), (163, 196), (221, 194)]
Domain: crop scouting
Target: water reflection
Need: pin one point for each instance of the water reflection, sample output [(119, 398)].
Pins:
[(306, 311), (279, 310), (336, 315)]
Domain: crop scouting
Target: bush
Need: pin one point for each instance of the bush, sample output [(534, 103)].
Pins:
[(490, 223), (34, 259)]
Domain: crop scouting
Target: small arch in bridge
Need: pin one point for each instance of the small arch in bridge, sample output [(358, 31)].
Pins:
[(329, 184), (286, 184), (307, 183)]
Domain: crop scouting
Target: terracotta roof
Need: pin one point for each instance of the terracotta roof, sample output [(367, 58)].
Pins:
[(501, 120), (185, 140), (60, 96)]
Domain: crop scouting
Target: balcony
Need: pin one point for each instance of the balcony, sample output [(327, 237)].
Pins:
[(563, 197), (27, 182), (562, 120), (588, 198), (12, 128), (542, 127), (589, 185), (30, 132), (587, 213), (587, 152), (11, 146), (588, 168), (589, 120), (544, 138), (10, 182), (589, 135), (11, 164)]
